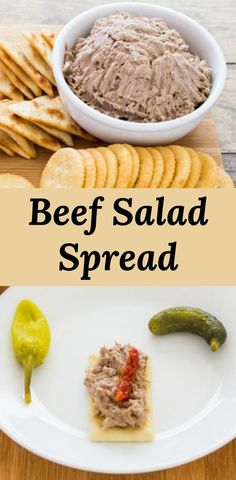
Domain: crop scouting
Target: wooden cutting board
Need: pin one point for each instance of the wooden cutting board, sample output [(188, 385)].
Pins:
[(204, 137)]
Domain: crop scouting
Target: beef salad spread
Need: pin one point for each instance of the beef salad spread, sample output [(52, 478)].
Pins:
[(117, 386), (137, 69)]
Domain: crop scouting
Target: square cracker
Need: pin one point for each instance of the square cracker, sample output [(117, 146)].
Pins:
[(119, 434)]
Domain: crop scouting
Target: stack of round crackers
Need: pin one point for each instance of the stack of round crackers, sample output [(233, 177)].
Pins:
[(125, 166)]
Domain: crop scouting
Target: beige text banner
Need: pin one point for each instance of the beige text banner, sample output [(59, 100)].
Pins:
[(160, 244)]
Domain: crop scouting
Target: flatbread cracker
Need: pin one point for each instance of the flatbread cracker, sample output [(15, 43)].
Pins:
[(223, 179), (59, 134), (125, 165), (26, 145), (101, 167), (112, 166), (50, 38), (136, 165), (4, 105), (49, 112), (183, 166), (90, 168), (8, 142), (16, 81), (20, 74), (23, 142), (125, 434), (158, 168), (195, 171), (15, 52), (38, 63), (146, 168), (8, 89), (209, 171), (29, 131), (64, 121), (7, 150), (65, 169), (40, 45), (9, 180)]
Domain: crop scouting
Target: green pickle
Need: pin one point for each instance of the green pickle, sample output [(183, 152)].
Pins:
[(192, 320), (30, 338)]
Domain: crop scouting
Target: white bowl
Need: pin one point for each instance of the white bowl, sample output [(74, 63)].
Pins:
[(113, 130)]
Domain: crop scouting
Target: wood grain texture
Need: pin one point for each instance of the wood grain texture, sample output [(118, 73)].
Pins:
[(18, 464)]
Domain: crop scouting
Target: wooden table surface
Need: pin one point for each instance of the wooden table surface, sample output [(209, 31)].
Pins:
[(220, 19)]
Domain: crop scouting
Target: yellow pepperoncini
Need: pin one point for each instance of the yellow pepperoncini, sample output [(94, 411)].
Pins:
[(31, 339)]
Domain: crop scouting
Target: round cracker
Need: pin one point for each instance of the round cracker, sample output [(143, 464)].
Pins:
[(125, 164), (223, 179), (146, 168), (158, 168), (65, 169), (209, 171), (169, 166), (183, 166), (136, 165), (101, 167), (90, 169), (112, 166), (195, 171), (9, 180)]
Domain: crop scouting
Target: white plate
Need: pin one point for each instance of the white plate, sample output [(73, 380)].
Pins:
[(194, 390)]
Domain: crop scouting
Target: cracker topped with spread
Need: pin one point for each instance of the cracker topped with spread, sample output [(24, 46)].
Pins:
[(119, 386)]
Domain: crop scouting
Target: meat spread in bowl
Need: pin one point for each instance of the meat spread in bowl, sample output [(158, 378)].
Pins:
[(137, 69)]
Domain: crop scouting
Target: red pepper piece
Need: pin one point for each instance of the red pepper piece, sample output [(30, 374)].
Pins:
[(127, 376)]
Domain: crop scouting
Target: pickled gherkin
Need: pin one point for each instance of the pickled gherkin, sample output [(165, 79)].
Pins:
[(192, 320)]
